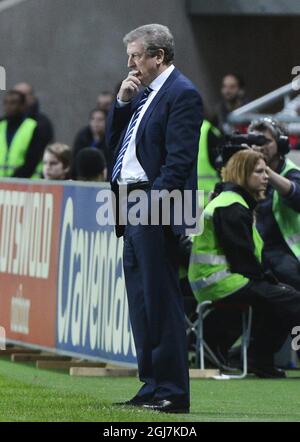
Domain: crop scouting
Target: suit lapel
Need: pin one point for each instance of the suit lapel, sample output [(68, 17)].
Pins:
[(154, 103)]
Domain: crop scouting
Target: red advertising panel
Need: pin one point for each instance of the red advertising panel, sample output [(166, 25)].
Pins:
[(29, 236)]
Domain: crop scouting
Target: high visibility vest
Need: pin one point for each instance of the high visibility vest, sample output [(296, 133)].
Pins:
[(287, 219), (14, 156), (209, 272), (207, 175)]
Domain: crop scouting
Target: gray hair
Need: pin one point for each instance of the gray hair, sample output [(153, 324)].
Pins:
[(267, 123), (153, 37)]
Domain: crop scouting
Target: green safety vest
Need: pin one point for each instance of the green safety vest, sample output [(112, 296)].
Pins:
[(209, 273), (14, 156), (207, 175), (287, 219)]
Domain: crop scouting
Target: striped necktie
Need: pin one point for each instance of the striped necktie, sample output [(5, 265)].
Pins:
[(118, 164)]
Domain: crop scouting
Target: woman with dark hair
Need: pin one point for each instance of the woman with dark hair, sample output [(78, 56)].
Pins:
[(226, 266)]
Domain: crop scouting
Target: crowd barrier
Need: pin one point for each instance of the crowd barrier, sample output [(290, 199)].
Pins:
[(61, 277)]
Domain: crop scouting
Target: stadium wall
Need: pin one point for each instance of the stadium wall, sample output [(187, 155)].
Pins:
[(70, 50)]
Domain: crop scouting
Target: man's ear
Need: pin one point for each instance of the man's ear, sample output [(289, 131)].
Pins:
[(160, 56)]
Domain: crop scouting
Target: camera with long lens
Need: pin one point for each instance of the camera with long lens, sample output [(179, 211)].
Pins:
[(235, 142)]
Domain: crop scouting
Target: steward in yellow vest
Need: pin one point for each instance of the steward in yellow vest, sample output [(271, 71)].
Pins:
[(20, 149), (278, 216), (288, 220), (226, 266), (207, 174), (211, 276)]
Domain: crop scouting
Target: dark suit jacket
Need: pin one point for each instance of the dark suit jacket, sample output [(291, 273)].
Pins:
[(167, 140)]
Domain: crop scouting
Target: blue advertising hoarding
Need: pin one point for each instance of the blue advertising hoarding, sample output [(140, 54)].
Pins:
[(92, 310)]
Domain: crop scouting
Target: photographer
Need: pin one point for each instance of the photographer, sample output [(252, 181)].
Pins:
[(226, 267), (278, 216)]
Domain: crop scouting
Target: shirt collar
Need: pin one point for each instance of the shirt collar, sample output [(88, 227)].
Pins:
[(157, 83)]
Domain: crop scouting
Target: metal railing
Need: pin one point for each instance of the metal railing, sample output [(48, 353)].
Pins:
[(6, 4), (249, 111)]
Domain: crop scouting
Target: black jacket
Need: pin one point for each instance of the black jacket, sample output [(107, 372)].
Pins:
[(234, 226), (45, 127)]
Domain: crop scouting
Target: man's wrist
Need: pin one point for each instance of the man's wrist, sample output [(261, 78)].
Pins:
[(122, 103)]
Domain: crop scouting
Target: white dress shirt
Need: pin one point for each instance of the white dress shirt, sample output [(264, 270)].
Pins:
[(132, 170)]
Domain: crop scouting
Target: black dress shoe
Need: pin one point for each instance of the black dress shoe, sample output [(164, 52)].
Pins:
[(136, 401), (268, 372), (167, 406), (264, 370)]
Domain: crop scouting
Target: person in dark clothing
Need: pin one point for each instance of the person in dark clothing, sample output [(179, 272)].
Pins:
[(90, 165), (104, 101), (232, 97), (226, 266), (32, 110), (92, 136), (20, 147)]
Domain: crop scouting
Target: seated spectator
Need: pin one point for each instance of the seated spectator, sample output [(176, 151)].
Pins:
[(21, 148), (232, 97), (226, 267), (90, 165), (32, 110), (92, 135), (57, 162), (104, 101)]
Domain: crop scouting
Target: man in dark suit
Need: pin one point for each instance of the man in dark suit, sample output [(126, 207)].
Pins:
[(155, 135)]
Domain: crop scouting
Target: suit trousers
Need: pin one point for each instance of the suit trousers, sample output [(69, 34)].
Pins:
[(156, 311)]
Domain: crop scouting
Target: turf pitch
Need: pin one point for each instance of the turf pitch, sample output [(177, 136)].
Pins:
[(29, 394)]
